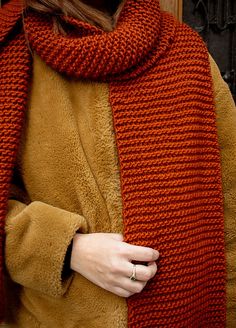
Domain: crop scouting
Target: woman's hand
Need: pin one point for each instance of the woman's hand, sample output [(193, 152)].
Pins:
[(105, 260)]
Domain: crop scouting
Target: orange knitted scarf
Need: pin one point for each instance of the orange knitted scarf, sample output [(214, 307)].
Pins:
[(164, 119)]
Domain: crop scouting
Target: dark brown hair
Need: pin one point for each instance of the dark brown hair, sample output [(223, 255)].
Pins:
[(78, 10)]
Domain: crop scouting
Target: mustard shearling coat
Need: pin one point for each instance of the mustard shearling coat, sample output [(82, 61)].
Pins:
[(68, 164)]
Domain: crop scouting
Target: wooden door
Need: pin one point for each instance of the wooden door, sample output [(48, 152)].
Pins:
[(173, 6)]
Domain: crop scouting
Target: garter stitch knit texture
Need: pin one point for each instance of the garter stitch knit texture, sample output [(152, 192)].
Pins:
[(164, 119), (14, 82)]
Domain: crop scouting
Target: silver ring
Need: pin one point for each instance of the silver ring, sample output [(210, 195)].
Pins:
[(133, 276)]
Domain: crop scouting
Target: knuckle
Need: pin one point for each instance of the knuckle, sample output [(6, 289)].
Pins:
[(121, 249), (128, 294), (148, 274), (154, 257), (105, 285), (123, 293), (149, 254), (154, 269), (118, 292), (155, 254), (153, 274), (114, 266), (109, 279), (138, 288)]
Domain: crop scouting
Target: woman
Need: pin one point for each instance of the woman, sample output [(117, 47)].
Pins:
[(115, 215)]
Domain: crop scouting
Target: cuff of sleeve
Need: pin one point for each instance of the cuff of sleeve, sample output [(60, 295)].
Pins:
[(37, 242)]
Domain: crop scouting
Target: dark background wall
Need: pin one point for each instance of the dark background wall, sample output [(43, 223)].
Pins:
[(215, 20)]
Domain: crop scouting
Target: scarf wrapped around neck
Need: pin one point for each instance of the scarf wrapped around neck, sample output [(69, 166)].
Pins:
[(164, 120)]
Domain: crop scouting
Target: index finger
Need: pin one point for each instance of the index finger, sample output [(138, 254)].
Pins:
[(141, 253)]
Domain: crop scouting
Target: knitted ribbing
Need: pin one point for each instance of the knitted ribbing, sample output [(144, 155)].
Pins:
[(164, 119), (171, 186), (14, 81), (97, 55)]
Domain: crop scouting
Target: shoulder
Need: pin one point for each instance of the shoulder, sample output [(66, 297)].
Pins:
[(222, 95), (225, 109), (219, 85), (186, 43)]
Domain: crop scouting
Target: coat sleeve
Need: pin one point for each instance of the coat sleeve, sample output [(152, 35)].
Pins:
[(226, 127), (37, 239)]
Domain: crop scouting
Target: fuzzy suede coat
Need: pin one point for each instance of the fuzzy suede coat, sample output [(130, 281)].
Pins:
[(67, 180)]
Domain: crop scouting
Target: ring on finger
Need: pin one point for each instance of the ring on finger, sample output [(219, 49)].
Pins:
[(133, 275)]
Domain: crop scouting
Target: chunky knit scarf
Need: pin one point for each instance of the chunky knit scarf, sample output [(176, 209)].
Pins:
[(164, 120)]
